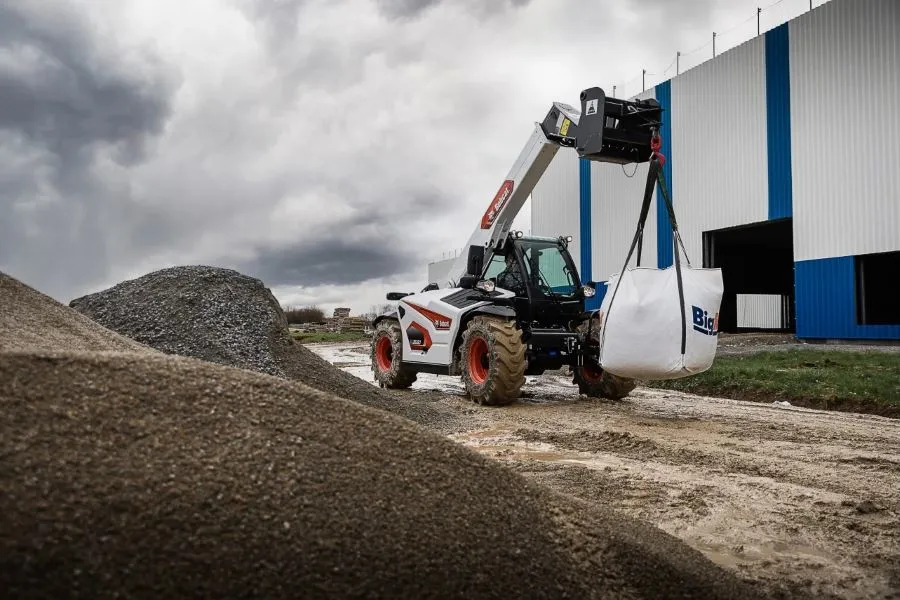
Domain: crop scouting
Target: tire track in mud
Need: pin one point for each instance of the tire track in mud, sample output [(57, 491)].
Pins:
[(801, 515), (799, 502)]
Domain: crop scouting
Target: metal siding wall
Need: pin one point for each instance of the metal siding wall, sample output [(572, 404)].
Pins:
[(778, 121), (439, 271), (826, 302), (615, 207), (719, 145), (845, 110), (759, 310), (555, 201)]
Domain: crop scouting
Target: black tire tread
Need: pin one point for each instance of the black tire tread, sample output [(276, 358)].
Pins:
[(507, 371), (609, 386), (399, 377)]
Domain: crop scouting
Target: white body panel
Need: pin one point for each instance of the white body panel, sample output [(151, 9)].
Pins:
[(438, 323), (844, 128), (555, 201), (719, 145)]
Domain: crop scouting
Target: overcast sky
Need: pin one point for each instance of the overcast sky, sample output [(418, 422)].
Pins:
[(329, 147)]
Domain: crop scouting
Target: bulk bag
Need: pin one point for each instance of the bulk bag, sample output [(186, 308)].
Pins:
[(660, 323), (650, 332)]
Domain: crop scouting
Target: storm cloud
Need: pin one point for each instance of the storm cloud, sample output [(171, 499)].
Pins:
[(329, 147)]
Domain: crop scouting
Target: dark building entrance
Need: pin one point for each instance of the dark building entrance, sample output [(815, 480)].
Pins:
[(757, 263)]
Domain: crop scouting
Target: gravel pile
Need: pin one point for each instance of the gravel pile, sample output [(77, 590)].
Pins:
[(146, 475), (224, 317), (214, 314)]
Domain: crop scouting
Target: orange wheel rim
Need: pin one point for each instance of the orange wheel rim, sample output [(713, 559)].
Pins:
[(478, 361), (384, 353)]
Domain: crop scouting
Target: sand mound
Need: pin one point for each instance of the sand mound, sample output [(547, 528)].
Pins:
[(163, 476), (217, 315), (30, 320)]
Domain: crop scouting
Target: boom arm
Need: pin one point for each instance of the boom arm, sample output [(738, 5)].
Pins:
[(605, 130)]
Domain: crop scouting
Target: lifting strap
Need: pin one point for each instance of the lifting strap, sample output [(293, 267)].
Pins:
[(656, 175)]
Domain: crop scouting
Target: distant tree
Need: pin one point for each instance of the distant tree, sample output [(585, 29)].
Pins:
[(304, 314)]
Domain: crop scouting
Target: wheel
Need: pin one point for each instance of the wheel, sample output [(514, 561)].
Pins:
[(386, 351), (493, 360), (593, 381)]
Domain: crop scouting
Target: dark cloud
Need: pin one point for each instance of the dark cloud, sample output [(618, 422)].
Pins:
[(316, 145), (329, 260), (405, 9), (65, 105), (54, 92)]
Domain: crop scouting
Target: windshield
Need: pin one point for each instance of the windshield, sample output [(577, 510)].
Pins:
[(546, 259)]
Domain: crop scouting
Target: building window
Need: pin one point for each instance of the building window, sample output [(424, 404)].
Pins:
[(876, 302)]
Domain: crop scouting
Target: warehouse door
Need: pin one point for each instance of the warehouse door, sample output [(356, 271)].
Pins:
[(757, 263)]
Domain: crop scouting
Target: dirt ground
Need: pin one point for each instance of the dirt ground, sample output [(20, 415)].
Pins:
[(800, 502)]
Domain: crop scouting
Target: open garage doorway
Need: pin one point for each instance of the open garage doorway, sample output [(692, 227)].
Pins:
[(757, 263)]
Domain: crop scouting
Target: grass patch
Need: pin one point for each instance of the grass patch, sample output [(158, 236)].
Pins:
[(835, 380), (328, 336)]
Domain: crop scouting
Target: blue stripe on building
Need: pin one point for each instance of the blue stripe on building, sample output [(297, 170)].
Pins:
[(826, 302), (584, 199), (778, 122), (664, 255)]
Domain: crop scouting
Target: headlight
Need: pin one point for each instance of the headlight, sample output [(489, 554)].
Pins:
[(486, 284), (588, 291)]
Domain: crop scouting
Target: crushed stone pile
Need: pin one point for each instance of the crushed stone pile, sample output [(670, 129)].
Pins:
[(225, 317), (210, 313), (143, 474)]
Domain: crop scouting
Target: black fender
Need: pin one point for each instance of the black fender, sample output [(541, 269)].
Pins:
[(391, 315), (507, 312)]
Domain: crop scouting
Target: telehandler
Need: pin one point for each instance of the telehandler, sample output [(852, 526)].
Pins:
[(515, 305)]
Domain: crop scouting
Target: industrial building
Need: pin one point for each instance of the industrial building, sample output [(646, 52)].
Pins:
[(781, 158)]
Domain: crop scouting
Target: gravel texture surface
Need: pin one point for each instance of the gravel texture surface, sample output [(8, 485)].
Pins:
[(221, 316), (30, 320), (139, 474), (213, 314)]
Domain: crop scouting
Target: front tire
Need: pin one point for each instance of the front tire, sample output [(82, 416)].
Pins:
[(386, 352), (493, 361), (593, 381)]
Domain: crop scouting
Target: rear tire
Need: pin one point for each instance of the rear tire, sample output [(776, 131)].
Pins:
[(386, 353), (593, 381), (493, 361)]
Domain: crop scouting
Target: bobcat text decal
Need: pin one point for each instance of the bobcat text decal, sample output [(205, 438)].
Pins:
[(439, 321), (497, 203), (703, 322)]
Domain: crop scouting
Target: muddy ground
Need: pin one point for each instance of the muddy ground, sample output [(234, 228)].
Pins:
[(798, 501)]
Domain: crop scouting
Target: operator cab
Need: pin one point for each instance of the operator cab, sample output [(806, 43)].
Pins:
[(542, 275)]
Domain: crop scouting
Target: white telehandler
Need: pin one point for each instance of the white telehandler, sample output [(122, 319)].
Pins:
[(515, 304)]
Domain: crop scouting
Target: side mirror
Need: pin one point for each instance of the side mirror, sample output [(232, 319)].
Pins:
[(475, 261), (468, 281), (397, 295)]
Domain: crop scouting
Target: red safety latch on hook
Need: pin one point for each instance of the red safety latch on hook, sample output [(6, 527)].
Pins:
[(655, 145)]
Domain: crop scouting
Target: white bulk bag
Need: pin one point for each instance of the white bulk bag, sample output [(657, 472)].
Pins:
[(644, 328), (660, 323)]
